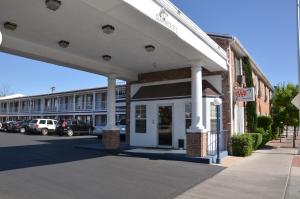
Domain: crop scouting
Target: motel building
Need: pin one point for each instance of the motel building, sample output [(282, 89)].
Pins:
[(173, 70), (88, 105), (233, 81)]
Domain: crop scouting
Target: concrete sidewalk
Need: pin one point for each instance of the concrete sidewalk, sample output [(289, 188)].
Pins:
[(267, 174)]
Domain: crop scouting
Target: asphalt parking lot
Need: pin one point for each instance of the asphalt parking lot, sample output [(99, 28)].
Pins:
[(52, 167)]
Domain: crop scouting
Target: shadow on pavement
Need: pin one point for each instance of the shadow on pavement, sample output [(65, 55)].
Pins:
[(55, 151), (47, 152)]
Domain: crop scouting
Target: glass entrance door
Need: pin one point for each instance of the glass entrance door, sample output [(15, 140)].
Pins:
[(165, 127)]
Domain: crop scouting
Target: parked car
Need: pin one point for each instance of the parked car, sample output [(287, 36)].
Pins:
[(43, 126), (71, 127), (120, 124), (20, 126), (7, 126)]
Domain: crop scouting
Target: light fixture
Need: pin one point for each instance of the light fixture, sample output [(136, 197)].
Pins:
[(108, 29), (64, 44), (149, 48), (53, 4), (10, 26), (217, 102), (106, 57)]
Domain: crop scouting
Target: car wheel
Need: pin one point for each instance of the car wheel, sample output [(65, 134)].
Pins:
[(5, 130), (44, 131), (22, 130), (70, 132)]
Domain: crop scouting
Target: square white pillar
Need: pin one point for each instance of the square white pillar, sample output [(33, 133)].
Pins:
[(111, 103)]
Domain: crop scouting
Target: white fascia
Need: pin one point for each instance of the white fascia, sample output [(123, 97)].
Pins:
[(187, 30)]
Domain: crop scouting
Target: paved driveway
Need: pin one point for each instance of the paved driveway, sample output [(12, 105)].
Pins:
[(37, 167)]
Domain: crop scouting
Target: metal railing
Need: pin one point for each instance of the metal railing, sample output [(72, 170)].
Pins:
[(212, 142)]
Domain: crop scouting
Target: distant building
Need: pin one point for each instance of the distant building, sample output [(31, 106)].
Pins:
[(87, 105)]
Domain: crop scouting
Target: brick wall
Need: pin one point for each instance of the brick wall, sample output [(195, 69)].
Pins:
[(181, 73)]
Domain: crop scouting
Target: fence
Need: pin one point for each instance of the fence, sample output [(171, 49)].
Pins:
[(212, 142)]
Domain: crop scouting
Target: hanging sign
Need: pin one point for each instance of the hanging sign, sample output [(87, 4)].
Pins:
[(244, 94)]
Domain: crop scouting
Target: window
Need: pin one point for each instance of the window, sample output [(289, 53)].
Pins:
[(50, 122), (42, 122), (140, 118), (89, 101), (188, 115), (258, 86), (237, 67), (121, 92), (100, 120), (213, 117)]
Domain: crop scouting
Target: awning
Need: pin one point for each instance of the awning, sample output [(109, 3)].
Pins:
[(174, 40), (173, 91)]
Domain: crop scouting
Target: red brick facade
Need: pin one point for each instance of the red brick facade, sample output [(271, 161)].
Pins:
[(263, 91), (196, 144), (111, 139)]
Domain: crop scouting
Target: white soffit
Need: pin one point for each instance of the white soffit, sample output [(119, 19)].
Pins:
[(79, 21)]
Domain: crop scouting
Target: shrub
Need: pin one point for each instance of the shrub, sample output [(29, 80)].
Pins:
[(260, 130), (242, 145), (266, 136), (276, 133), (264, 122), (257, 139)]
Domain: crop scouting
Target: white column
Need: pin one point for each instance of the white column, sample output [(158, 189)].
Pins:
[(197, 110), (111, 103), (94, 101), (74, 103)]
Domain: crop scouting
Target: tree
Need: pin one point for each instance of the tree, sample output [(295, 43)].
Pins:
[(284, 113), (251, 106), (5, 90)]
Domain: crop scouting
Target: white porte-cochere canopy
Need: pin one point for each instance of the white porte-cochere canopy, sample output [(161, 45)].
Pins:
[(173, 39)]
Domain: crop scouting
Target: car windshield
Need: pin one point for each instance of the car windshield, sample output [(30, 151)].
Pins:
[(33, 121), (123, 122)]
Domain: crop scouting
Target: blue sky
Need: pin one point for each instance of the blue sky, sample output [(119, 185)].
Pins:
[(267, 28)]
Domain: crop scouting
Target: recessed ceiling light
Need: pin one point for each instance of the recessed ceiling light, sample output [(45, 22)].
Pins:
[(108, 29), (64, 44), (106, 57), (53, 4), (149, 48), (10, 26)]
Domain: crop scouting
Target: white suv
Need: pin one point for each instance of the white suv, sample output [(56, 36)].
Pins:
[(43, 126)]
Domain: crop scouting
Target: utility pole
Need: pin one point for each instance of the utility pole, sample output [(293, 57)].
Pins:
[(298, 56), (298, 40)]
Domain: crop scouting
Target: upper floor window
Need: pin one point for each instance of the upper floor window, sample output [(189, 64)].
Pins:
[(237, 68), (121, 92)]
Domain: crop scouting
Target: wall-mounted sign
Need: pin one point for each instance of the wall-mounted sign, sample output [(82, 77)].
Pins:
[(244, 94), (162, 17)]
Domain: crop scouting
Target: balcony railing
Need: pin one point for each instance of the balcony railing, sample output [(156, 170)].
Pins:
[(101, 106), (51, 109), (66, 107)]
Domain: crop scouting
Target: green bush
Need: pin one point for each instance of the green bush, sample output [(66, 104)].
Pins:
[(276, 133), (257, 139), (260, 130), (264, 122), (266, 136), (242, 145)]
